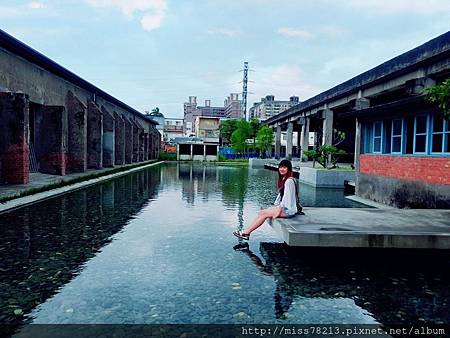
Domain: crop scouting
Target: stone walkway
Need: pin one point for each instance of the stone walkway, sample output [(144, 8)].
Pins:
[(367, 227)]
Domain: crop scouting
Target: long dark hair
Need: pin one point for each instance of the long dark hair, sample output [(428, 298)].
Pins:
[(281, 178)]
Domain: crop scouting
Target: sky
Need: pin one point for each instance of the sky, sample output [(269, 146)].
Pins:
[(157, 53)]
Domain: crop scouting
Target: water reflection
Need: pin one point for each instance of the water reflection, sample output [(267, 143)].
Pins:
[(45, 245), (174, 263), (386, 285)]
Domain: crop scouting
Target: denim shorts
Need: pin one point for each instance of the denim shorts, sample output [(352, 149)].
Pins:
[(288, 213)]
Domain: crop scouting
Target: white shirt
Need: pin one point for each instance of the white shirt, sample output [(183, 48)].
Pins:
[(289, 200)]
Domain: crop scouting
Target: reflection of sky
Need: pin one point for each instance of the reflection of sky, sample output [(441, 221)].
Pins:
[(174, 263)]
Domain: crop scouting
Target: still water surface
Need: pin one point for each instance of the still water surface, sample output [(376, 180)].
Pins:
[(156, 247)]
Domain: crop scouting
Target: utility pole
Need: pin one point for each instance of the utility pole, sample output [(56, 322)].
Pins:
[(244, 91)]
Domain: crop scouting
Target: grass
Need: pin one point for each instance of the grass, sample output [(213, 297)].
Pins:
[(74, 180)]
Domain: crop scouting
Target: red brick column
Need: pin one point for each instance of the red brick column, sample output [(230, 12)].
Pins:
[(14, 149)]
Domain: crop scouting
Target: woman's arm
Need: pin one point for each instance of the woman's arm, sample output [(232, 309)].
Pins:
[(289, 198)]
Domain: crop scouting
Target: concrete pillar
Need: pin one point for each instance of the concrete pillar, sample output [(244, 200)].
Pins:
[(50, 134), (119, 139), (278, 142), (108, 138), (192, 152), (178, 154), (94, 137), (361, 103), (136, 140), (150, 144), (204, 152), (128, 140), (327, 129), (417, 86), (141, 145), (77, 129), (357, 144), (145, 153), (289, 134), (14, 148), (304, 138)]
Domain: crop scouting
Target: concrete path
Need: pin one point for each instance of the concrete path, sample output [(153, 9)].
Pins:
[(42, 181), (364, 227)]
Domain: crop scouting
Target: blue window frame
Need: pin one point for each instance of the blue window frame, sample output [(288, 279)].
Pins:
[(440, 137), (377, 137), (397, 136), (420, 134)]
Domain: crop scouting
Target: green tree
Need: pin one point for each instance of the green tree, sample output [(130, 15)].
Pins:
[(155, 110), (440, 94), (226, 128), (240, 135), (324, 154), (264, 140)]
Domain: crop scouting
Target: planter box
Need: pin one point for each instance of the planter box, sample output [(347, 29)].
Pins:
[(324, 178)]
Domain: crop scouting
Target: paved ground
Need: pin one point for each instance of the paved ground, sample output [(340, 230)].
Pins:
[(367, 227), (38, 180)]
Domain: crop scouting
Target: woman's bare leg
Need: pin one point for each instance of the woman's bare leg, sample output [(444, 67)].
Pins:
[(264, 214)]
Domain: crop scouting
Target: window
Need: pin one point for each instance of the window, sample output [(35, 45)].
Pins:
[(396, 139), (377, 136), (420, 134), (441, 134)]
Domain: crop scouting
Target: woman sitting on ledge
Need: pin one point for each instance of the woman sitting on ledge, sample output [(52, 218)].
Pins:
[(285, 205)]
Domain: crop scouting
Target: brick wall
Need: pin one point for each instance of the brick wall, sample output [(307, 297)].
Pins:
[(433, 170)]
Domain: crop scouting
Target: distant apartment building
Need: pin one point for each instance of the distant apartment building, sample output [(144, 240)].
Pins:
[(173, 127), (192, 110), (270, 107), (232, 106)]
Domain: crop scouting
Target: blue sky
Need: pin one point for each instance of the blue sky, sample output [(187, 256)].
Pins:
[(151, 53)]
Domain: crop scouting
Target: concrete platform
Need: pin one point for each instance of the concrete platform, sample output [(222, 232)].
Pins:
[(364, 227)]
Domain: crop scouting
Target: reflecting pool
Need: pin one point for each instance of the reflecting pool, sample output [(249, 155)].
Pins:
[(156, 246)]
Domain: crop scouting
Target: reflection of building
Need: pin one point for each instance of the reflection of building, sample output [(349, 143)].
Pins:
[(173, 128), (196, 180), (269, 107)]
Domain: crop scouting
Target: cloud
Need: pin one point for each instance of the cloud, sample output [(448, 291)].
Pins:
[(294, 32), (153, 11), (223, 31), (36, 5)]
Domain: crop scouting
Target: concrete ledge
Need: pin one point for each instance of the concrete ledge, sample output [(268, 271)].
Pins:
[(52, 192), (324, 178), (367, 228)]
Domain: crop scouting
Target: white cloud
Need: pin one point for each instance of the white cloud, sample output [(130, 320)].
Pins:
[(295, 32), (150, 22), (418, 6), (153, 11), (223, 31), (36, 5)]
